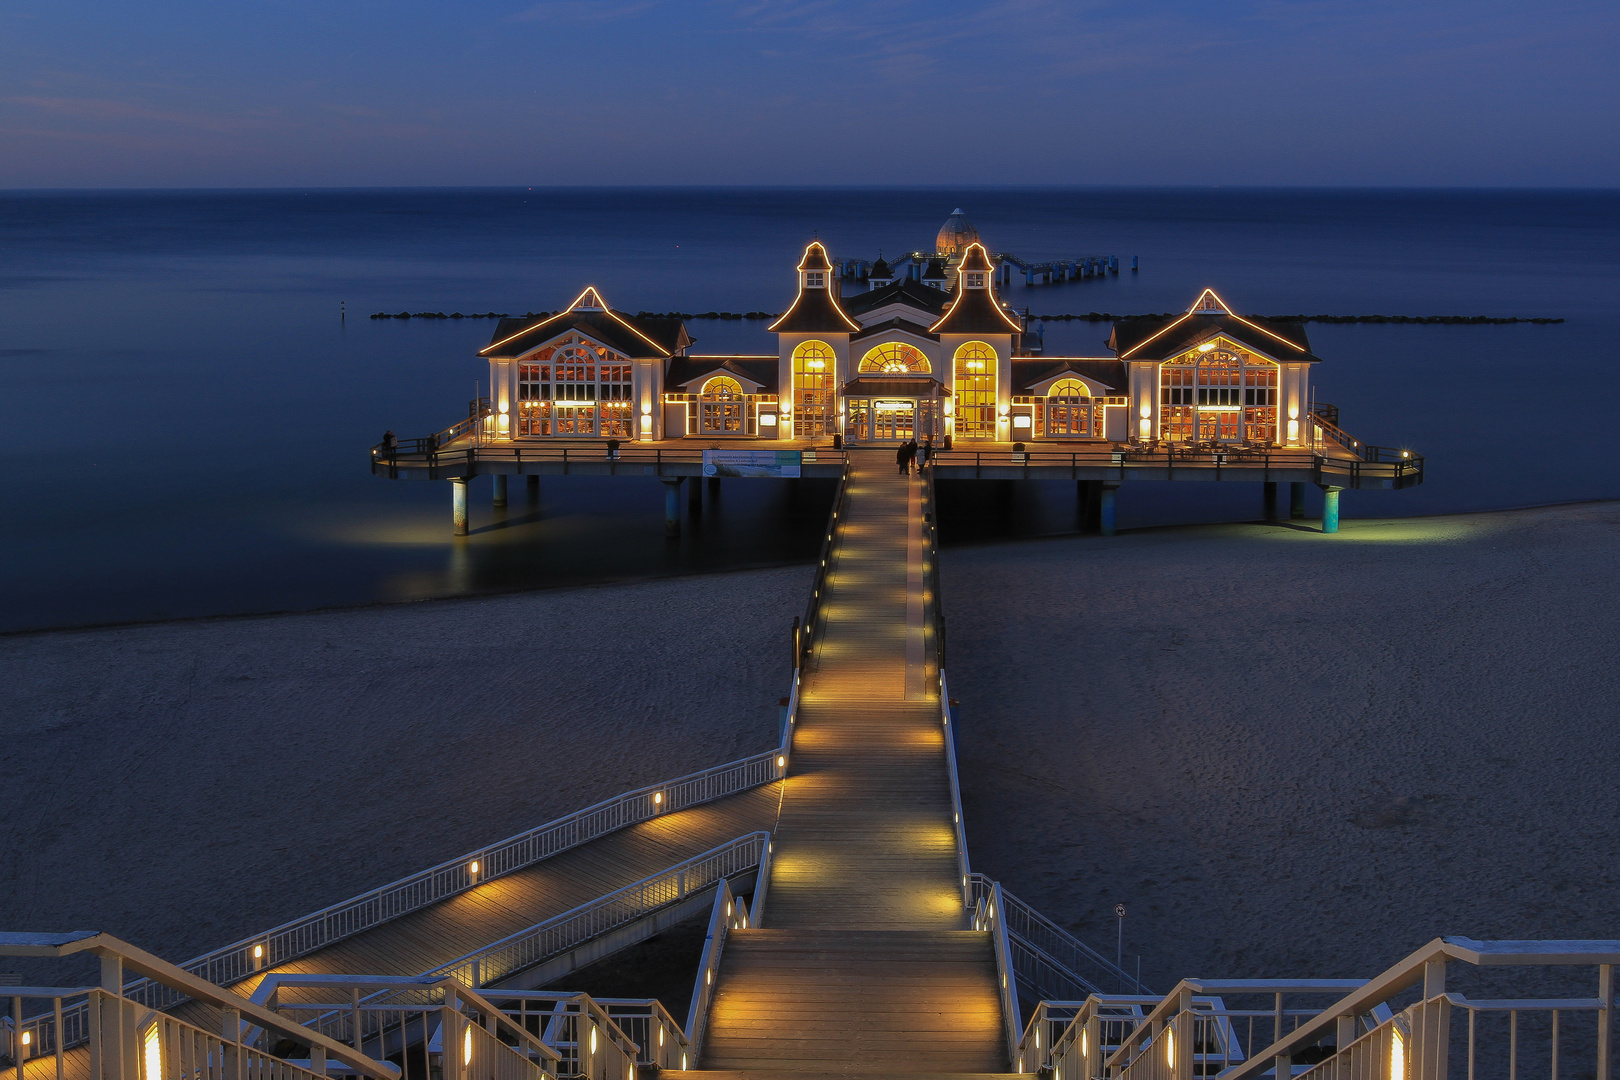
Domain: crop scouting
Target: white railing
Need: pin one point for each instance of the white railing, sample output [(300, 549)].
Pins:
[(1048, 957), (127, 1041), (728, 915), (635, 901), (662, 1040), (1417, 1043), (963, 871), (315, 931), (989, 914)]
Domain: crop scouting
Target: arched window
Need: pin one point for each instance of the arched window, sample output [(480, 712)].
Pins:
[(1218, 393), (896, 358), (721, 406), (814, 364), (974, 391), (1068, 410)]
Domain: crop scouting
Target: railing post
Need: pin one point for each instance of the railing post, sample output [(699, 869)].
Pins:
[(1181, 1035), (450, 1065), (230, 1029), (112, 1018), (1605, 1039)]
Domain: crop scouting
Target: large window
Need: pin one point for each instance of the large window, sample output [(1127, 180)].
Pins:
[(720, 406), (813, 368), (896, 358), (1068, 410), (575, 387), (1218, 394), (974, 392)]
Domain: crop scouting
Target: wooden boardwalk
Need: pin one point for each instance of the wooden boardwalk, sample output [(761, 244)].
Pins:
[(864, 962)]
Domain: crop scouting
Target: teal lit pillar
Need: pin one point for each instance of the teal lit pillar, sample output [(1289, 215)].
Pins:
[(500, 490), (1271, 500), (1330, 508), (458, 504), (1106, 517), (672, 506), (1296, 500)]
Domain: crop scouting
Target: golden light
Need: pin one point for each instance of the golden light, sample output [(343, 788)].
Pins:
[(1397, 1055), (1206, 346), (728, 909), (593, 1039), (258, 952), (708, 977), (683, 1060), (1085, 1044), (658, 798), (781, 762), (466, 1046), (660, 1034), (472, 867), (1170, 1048), (27, 1038), (151, 1054)]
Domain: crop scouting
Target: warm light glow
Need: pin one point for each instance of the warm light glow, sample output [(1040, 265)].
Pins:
[(1147, 411), (1085, 1047), (593, 1039), (1023, 422), (646, 408), (466, 1045), (708, 977), (660, 1034), (767, 419), (1170, 1047), (258, 952), (597, 303), (658, 798), (683, 1060), (728, 909), (1397, 1055), (1293, 412), (1206, 346), (151, 1054), (27, 1038), (473, 866), (781, 761)]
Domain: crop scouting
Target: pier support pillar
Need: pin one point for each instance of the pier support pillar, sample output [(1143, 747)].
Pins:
[(1330, 508), (1105, 519), (534, 487), (500, 490), (694, 497), (1296, 500), (458, 504), (1088, 499), (1270, 500), (672, 506)]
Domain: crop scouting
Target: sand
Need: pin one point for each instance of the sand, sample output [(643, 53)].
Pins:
[(1287, 753), (183, 785), (1291, 754)]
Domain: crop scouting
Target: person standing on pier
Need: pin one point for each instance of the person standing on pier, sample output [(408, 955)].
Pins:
[(924, 452)]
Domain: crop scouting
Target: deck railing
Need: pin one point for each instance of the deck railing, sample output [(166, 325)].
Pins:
[(661, 1039), (1042, 950), (1400, 468), (728, 914), (126, 1041), (437, 451), (288, 941), (807, 629), (620, 907)]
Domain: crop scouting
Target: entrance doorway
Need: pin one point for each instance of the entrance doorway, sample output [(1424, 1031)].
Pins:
[(892, 419)]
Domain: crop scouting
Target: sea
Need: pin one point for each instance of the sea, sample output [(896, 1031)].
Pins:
[(189, 380)]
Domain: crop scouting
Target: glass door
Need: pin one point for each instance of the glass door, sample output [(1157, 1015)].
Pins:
[(894, 421)]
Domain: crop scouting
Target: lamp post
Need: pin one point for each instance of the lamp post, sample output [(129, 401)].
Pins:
[(1119, 950)]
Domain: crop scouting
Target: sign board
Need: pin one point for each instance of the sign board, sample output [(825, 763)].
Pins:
[(773, 463)]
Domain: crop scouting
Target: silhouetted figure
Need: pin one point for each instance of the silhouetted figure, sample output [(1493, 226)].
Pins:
[(924, 452)]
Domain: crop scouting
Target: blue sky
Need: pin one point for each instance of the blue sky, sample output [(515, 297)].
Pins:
[(177, 93)]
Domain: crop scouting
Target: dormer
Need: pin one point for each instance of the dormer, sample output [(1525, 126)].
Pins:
[(815, 270), (815, 310), (1209, 304), (880, 275)]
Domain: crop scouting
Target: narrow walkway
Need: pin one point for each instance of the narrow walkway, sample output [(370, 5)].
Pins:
[(864, 962)]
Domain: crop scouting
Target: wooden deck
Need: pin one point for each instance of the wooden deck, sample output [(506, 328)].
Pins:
[(864, 963)]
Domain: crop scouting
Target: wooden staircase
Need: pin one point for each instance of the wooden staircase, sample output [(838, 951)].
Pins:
[(864, 962)]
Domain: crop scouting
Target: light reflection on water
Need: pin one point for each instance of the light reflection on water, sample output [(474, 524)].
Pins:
[(188, 418)]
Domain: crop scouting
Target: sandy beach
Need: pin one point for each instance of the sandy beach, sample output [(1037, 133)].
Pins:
[(1286, 753)]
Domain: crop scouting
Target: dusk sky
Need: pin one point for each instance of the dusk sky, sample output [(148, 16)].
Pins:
[(881, 92)]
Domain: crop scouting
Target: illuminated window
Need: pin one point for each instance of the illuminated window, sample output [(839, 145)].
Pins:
[(813, 369), (975, 391), (896, 359), (721, 406), (1068, 410), (975, 281), (565, 389), (1222, 395), (813, 279)]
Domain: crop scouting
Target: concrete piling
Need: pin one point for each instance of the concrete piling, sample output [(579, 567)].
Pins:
[(500, 490), (672, 506), (1330, 508), (458, 504)]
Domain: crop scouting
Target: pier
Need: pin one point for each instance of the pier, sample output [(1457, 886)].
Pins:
[(847, 933)]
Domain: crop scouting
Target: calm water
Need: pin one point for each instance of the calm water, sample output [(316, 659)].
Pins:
[(189, 418)]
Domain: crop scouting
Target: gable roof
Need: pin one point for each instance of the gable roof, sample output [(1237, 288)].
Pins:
[(1031, 372), (759, 370), (976, 311), (902, 325), (923, 298), (589, 314), (1160, 338), (815, 311)]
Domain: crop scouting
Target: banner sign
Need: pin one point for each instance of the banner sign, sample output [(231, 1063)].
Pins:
[(778, 463)]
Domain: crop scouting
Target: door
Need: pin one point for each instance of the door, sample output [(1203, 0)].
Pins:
[(894, 421)]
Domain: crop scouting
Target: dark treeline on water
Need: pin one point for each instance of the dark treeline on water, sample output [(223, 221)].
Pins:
[(1090, 316)]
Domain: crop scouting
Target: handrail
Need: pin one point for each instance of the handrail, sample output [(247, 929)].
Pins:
[(448, 445), (666, 1047), (290, 940), (1046, 937), (1426, 966), (721, 921), (558, 934), (993, 913), (809, 626), (1359, 460), (117, 956)]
